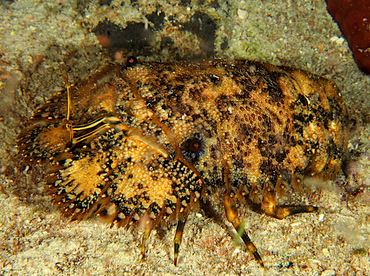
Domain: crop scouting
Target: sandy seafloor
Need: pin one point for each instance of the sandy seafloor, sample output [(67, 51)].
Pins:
[(40, 39)]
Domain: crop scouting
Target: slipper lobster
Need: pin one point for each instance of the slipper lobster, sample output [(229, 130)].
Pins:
[(145, 142)]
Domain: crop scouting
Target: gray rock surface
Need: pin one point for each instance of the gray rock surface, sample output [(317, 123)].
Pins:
[(43, 41)]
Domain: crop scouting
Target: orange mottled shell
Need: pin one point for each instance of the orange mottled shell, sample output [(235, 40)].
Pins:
[(146, 141)]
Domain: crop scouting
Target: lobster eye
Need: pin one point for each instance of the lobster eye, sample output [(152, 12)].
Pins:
[(193, 145), (193, 148)]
